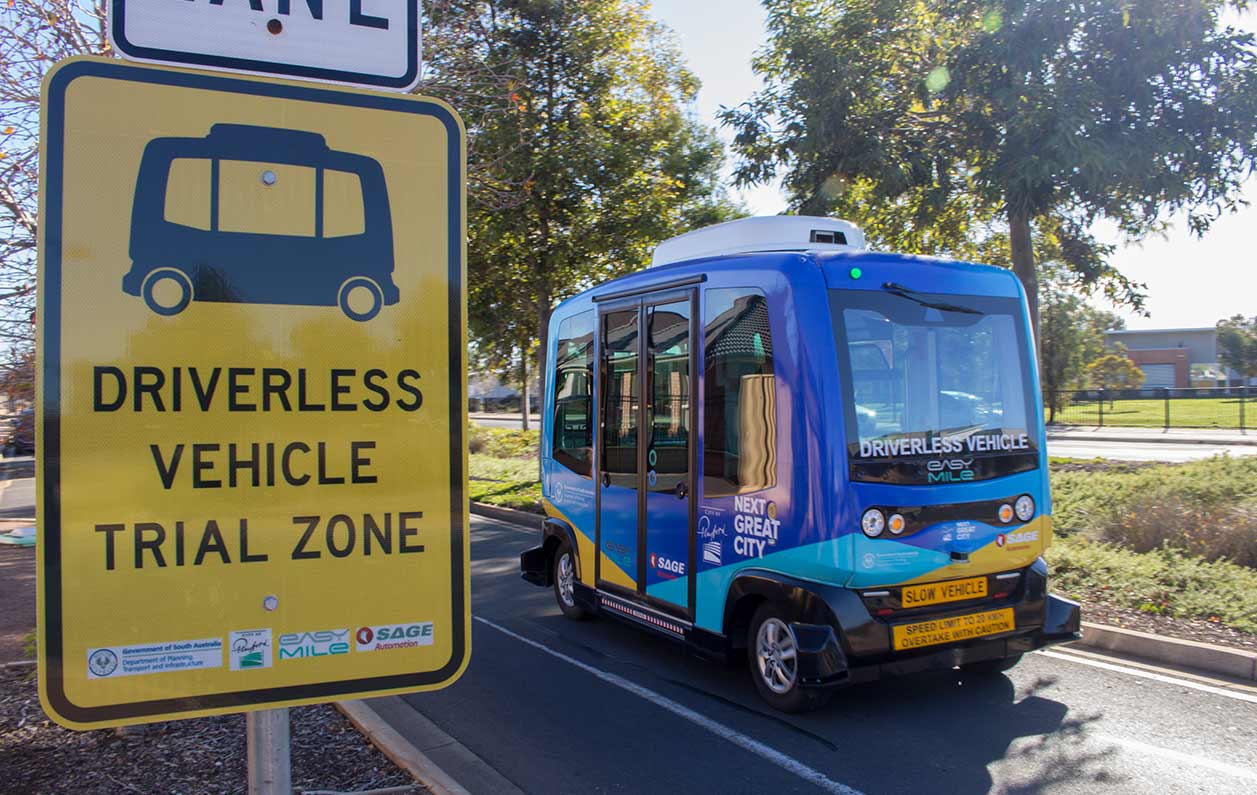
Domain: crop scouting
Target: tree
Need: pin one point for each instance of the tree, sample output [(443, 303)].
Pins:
[(595, 163), (33, 37), (944, 125), (1237, 345), (1071, 335), (1115, 370)]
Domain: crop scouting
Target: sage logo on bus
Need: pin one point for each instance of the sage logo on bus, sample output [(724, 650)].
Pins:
[(260, 215)]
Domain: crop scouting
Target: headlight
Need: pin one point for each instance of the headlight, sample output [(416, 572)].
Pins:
[(1006, 513), (1025, 507), (897, 524), (873, 523)]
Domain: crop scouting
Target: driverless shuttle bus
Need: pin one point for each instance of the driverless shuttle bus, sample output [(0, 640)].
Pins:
[(774, 442)]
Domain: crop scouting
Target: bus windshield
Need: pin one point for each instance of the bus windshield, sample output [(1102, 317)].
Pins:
[(936, 387)]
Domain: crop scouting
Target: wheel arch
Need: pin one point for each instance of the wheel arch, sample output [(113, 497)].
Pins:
[(753, 587)]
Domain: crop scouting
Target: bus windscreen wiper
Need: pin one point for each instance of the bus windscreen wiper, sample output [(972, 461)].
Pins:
[(913, 295)]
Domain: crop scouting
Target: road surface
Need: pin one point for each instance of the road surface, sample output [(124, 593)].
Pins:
[(557, 706)]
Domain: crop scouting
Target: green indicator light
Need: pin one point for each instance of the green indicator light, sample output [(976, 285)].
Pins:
[(856, 273)]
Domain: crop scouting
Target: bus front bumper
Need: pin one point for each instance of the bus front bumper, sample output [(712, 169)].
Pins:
[(859, 648)]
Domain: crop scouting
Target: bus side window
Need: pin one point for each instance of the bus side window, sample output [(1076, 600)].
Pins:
[(739, 402), (573, 390), (343, 213), (188, 193), (265, 198)]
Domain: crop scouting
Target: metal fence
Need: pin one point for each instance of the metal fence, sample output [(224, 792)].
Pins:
[(1212, 407)]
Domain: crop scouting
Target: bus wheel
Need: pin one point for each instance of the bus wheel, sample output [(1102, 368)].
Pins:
[(992, 666), (565, 583), (773, 653), (360, 298), (167, 291)]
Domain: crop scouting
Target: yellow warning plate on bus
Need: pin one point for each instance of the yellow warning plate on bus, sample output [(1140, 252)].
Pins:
[(950, 630), (938, 592)]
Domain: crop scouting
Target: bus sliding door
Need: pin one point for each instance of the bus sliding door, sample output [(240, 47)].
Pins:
[(646, 463)]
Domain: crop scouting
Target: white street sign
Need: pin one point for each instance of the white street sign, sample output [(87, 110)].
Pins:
[(372, 43)]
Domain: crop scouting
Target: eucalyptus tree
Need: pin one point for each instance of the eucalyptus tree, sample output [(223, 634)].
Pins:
[(942, 124)]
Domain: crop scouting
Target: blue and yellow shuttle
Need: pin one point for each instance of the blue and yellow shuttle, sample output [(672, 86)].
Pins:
[(775, 442)]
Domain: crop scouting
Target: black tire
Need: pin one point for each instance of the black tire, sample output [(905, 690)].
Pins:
[(567, 601), (992, 666), (785, 693), (360, 283)]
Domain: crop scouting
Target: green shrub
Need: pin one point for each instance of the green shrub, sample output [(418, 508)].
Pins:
[(1165, 581), (503, 442), (1205, 508)]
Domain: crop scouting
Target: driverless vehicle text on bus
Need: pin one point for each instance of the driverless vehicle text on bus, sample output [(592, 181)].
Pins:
[(833, 459)]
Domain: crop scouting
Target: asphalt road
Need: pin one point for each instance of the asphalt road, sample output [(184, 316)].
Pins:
[(557, 706), (1143, 451)]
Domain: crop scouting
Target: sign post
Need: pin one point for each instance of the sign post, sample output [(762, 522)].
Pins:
[(252, 403), (269, 749)]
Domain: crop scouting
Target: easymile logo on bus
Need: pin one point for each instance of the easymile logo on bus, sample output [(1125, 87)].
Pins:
[(944, 445)]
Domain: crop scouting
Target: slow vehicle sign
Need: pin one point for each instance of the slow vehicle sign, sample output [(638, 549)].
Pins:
[(252, 399), (374, 43)]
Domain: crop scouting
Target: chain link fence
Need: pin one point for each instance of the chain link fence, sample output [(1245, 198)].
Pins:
[(1205, 407)]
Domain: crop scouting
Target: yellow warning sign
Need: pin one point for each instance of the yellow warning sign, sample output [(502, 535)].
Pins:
[(252, 394)]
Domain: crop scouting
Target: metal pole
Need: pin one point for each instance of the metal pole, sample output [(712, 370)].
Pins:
[(1167, 409), (270, 763), (1102, 408)]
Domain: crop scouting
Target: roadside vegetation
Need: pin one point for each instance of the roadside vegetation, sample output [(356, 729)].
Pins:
[(503, 468), (1170, 540), (1176, 541)]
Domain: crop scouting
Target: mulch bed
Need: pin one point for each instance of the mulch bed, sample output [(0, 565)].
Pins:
[(203, 755)]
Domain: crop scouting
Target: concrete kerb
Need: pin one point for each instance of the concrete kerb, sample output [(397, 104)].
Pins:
[(1205, 657), (1235, 663), (398, 749)]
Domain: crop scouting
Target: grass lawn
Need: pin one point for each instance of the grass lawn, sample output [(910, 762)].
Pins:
[(1184, 413)]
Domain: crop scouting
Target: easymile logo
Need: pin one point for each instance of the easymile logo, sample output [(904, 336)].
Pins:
[(323, 643)]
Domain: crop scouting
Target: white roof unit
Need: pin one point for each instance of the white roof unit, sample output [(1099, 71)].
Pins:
[(762, 233)]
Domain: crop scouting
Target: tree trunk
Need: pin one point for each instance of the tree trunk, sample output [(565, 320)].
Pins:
[(1023, 264), (524, 399)]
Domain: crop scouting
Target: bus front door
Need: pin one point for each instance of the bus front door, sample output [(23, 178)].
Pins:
[(646, 463)]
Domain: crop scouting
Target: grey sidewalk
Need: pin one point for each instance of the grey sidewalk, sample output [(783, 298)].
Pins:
[(1152, 435)]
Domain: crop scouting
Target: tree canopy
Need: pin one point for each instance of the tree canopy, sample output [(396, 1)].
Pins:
[(1237, 345), (593, 162), (967, 127)]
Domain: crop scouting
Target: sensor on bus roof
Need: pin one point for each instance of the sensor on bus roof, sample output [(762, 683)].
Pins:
[(761, 234)]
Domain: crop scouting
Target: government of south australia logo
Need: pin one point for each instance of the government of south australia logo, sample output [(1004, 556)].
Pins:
[(260, 215), (102, 662)]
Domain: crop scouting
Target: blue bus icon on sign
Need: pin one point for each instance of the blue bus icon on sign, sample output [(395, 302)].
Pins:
[(260, 215)]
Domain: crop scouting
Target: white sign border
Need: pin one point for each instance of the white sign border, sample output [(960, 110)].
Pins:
[(116, 29)]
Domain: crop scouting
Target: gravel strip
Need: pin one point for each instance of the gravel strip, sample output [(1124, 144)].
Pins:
[(189, 757)]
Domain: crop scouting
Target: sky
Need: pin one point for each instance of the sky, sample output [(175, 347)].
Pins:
[(1190, 282)]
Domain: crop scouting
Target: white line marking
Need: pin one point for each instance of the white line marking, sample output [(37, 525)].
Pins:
[(1169, 680), (719, 729), (1179, 756)]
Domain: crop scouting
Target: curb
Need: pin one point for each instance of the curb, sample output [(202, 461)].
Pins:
[(398, 749), (1069, 436), (1235, 663), (512, 515), (439, 762)]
